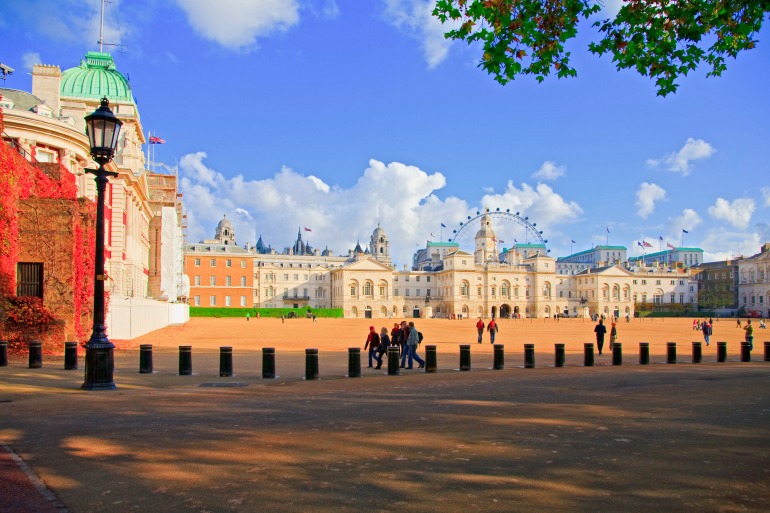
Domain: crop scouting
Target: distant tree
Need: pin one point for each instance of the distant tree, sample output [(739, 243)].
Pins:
[(662, 39), (713, 299)]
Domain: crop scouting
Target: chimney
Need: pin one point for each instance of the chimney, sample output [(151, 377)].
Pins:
[(46, 85)]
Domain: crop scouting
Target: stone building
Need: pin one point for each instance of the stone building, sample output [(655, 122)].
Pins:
[(754, 284)]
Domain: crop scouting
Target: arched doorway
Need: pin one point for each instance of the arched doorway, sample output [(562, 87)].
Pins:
[(368, 312), (494, 311), (505, 311), (416, 312), (516, 312)]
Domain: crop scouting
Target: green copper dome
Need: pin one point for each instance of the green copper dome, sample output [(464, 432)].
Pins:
[(94, 78)]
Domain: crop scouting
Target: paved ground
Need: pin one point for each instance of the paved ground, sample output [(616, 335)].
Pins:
[(674, 438)]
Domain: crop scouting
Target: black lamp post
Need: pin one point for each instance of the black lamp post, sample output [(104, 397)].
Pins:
[(103, 130)]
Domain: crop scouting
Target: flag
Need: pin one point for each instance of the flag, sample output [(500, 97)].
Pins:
[(608, 229), (501, 241), (308, 229), (669, 245), (443, 225), (639, 244), (573, 242), (432, 236), (515, 241), (685, 231), (660, 237), (154, 139), (646, 244)]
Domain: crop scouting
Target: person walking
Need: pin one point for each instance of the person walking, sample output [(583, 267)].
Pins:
[(707, 332), (373, 344), (248, 316), (613, 335), (412, 341), (480, 329), (738, 321), (384, 344), (600, 330), (749, 329), (403, 338), (492, 329)]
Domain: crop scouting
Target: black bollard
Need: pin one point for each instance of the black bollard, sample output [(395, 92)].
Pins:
[(185, 360), (145, 359), (670, 352), (35, 354), (721, 352), (465, 357), (70, 356), (558, 355), (4, 353), (499, 357), (431, 362), (311, 364), (617, 353), (745, 351), (767, 351), (644, 353), (354, 362), (268, 363), (393, 369), (529, 356), (588, 354), (697, 352), (225, 362)]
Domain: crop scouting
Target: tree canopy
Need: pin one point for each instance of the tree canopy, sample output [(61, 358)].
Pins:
[(662, 39)]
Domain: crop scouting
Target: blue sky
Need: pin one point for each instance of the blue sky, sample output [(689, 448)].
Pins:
[(337, 115)]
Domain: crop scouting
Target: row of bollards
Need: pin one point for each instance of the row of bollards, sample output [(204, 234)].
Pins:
[(354, 357)]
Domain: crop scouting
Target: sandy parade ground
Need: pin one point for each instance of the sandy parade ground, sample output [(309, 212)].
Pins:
[(643, 438)]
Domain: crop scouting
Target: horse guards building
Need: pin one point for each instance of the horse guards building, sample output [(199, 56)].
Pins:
[(445, 281)]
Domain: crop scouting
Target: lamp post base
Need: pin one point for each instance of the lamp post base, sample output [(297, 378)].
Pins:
[(100, 365)]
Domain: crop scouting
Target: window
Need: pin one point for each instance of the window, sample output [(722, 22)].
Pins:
[(197, 281), (243, 300), (673, 298), (29, 279), (243, 264), (382, 290), (673, 282), (634, 282), (213, 262), (428, 279), (296, 277), (228, 263), (657, 282), (352, 291), (212, 300), (406, 293), (197, 301), (417, 279), (395, 292), (197, 262), (228, 281), (367, 289), (286, 277), (212, 280), (227, 301), (243, 281)]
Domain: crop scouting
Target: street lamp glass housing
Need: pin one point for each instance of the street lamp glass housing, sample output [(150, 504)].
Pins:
[(103, 131)]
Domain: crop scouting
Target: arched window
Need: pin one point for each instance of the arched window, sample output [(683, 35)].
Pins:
[(465, 288), (368, 288)]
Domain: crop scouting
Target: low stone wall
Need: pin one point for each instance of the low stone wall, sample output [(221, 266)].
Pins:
[(129, 317)]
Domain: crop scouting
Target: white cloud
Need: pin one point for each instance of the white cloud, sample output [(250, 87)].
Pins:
[(766, 195), (399, 197), (414, 17), (646, 197), (549, 171), (237, 24), (688, 220), (740, 243), (330, 10), (29, 59), (738, 213), (680, 161), (540, 203)]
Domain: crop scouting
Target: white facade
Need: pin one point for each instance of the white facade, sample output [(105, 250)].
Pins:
[(754, 283)]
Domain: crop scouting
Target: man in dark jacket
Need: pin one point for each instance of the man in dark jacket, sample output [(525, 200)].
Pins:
[(373, 343), (600, 331)]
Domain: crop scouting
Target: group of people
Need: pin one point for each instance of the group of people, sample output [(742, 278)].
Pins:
[(491, 328), (404, 336)]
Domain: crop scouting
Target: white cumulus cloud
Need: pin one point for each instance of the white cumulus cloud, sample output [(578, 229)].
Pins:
[(680, 161), (540, 203), (414, 17), (549, 171), (646, 196), (766, 195), (688, 220), (29, 59), (738, 213), (237, 24)]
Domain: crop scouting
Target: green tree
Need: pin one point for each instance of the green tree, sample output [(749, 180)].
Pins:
[(662, 39)]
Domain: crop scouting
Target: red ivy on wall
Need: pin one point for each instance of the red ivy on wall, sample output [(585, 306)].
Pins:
[(20, 180)]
